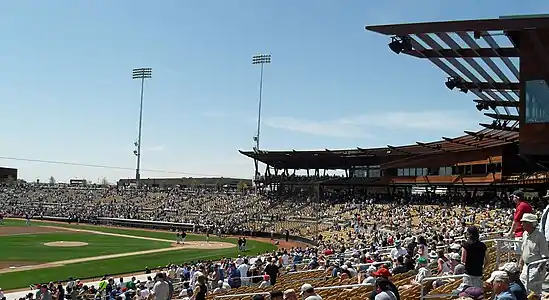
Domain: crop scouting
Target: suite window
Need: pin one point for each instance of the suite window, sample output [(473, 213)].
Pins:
[(412, 172), (537, 101), (374, 173), (400, 172), (445, 171), (406, 172)]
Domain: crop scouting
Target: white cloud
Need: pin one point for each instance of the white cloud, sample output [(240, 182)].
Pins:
[(368, 125), (156, 148)]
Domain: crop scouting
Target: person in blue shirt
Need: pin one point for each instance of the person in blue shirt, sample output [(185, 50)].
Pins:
[(500, 286), (515, 285)]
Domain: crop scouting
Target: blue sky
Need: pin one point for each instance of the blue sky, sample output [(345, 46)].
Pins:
[(66, 92)]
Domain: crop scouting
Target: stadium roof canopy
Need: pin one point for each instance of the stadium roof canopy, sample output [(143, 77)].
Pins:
[(342, 159), (479, 56)]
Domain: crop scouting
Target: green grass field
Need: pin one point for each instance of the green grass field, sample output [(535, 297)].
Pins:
[(31, 248), (120, 265)]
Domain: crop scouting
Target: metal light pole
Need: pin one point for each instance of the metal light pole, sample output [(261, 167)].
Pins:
[(261, 59), (142, 74)]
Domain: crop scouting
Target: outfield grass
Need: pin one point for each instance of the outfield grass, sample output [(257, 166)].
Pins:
[(144, 233), (123, 264), (31, 248)]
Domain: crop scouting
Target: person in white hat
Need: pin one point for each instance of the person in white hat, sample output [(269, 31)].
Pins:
[(308, 292), (500, 285), (534, 247)]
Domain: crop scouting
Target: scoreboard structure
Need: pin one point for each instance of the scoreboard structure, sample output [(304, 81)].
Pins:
[(7, 174)]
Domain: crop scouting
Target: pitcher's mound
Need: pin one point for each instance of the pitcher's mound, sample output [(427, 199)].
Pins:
[(65, 244)]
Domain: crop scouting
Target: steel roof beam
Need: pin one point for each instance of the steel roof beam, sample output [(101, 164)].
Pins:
[(464, 53), (436, 147), (502, 128), (494, 86), (502, 117), (488, 135), (392, 148), (502, 103), (439, 63), (453, 141), (509, 24)]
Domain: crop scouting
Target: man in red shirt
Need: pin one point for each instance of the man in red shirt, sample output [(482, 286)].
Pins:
[(522, 207)]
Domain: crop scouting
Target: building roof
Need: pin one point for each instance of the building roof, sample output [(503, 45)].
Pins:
[(481, 56), (341, 159)]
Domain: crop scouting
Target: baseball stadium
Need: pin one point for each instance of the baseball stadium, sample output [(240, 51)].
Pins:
[(458, 218)]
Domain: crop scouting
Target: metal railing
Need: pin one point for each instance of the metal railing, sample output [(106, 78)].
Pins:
[(505, 245), (529, 267), (316, 289), (437, 278)]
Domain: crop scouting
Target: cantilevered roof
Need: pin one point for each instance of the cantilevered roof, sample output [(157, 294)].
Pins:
[(481, 55), (342, 159)]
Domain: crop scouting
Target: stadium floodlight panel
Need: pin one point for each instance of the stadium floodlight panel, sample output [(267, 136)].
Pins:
[(261, 59), (140, 73)]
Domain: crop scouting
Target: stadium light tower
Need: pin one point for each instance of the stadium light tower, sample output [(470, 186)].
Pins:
[(142, 74), (261, 60)]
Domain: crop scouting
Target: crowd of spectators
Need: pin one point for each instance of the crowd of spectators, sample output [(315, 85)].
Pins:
[(379, 246)]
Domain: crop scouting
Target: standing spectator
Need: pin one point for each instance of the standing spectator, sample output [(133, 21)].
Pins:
[(60, 292), (544, 225), (161, 289), (200, 289), (534, 247), (522, 207), (43, 293), (422, 249), (397, 251), (474, 257), (272, 270)]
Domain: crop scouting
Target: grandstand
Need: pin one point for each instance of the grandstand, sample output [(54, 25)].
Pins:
[(189, 182), (510, 152)]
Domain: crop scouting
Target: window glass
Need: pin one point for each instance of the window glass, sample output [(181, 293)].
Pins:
[(406, 172), (400, 172), (442, 171), (537, 101)]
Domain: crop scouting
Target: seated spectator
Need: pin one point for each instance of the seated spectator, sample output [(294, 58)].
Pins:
[(383, 273), (308, 292), (383, 290), (500, 286), (515, 285)]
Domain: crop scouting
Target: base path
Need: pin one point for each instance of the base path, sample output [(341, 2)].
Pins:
[(187, 245)]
